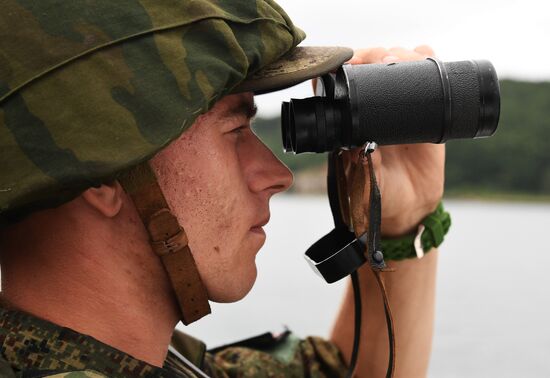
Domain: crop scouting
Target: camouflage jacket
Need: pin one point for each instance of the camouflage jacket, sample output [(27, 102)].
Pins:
[(31, 347)]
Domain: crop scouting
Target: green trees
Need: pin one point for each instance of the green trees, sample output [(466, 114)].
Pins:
[(517, 157)]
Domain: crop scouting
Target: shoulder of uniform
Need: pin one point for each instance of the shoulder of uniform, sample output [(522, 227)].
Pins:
[(282, 355), (188, 346), (5, 369), (77, 374), (282, 346)]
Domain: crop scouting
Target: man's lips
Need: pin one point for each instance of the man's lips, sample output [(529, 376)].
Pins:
[(257, 230), (258, 227)]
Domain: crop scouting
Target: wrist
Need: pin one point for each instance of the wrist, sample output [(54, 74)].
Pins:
[(405, 223), (428, 234)]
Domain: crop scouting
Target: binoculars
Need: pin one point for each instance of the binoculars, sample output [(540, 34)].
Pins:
[(425, 101)]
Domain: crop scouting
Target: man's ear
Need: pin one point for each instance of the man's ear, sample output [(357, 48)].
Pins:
[(107, 199)]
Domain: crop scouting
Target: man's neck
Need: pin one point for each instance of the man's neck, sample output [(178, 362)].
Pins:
[(117, 293)]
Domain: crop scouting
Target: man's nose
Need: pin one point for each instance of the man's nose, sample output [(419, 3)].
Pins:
[(265, 172)]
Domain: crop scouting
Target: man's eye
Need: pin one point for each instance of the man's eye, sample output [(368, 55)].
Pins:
[(239, 130)]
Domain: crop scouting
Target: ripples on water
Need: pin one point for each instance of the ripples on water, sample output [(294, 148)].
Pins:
[(493, 310)]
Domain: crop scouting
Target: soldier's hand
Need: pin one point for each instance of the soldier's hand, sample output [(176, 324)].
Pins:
[(410, 176)]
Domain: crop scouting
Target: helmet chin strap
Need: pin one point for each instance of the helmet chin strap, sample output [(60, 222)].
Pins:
[(168, 240)]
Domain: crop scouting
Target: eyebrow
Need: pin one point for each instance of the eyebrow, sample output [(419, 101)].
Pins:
[(246, 107)]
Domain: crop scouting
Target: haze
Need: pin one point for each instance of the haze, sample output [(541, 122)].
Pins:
[(513, 35)]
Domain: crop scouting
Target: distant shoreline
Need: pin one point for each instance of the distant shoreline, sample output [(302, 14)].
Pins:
[(497, 196), (460, 195), (312, 181)]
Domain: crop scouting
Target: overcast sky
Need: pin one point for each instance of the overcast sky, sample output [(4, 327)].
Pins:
[(513, 35)]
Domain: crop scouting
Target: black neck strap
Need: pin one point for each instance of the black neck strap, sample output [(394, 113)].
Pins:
[(340, 253)]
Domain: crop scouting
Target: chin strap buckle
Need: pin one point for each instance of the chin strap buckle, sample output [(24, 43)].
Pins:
[(166, 234), (168, 240)]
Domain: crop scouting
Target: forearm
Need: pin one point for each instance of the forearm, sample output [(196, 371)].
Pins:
[(411, 293)]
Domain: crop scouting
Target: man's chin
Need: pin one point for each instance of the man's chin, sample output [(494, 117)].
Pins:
[(235, 290)]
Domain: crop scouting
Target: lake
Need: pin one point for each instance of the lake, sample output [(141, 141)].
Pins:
[(493, 295)]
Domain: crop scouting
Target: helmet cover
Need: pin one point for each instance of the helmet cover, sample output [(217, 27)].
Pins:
[(89, 89)]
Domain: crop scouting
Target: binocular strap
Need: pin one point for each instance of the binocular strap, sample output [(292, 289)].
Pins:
[(389, 323), (368, 220)]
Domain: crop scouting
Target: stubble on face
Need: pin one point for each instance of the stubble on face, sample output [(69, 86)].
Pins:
[(205, 185)]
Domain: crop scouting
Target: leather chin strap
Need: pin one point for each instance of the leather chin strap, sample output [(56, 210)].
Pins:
[(168, 240)]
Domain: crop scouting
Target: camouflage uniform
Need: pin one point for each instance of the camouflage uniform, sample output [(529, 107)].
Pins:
[(32, 347)]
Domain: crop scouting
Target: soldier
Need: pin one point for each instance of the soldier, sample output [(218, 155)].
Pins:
[(132, 191)]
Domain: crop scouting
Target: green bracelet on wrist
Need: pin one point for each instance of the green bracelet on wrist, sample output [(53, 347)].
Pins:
[(430, 234)]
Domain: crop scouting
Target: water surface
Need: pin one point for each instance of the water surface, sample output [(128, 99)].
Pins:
[(493, 308)]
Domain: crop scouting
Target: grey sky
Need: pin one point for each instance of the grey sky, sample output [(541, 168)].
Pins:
[(513, 35)]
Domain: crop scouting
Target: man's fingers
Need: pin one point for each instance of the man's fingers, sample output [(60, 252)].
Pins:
[(425, 50), (353, 155), (372, 55), (383, 55), (405, 54), (314, 83)]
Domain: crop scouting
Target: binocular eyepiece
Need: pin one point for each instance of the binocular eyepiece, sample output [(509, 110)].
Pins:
[(395, 103)]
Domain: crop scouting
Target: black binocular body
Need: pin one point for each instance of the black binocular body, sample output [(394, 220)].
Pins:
[(396, 103)]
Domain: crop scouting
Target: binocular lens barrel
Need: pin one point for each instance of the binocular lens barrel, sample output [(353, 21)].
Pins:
[(396, 103)]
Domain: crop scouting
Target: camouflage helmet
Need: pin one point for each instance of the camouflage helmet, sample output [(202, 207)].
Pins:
[(91, 88)]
